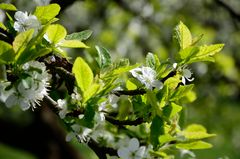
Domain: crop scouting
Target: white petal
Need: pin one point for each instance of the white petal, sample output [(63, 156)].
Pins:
[(157, 84), (24, 106), (18, 27), (174, 65), (133, 144), (187, 73), (11, 101), (21, 16), (183, 80), (70, 136), (123, 152), (140, 152)]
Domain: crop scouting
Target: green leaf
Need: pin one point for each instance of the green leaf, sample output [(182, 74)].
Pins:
[(21, 41), (47, 13), (92, 90), (171, 110), (196, 131), (83, 35), (131, 85), (157, 129), (7, 6), (72, 44), (6, 53), (183, 35), (186, 54), (152, 61), (83, 74), (104, 58), (205, 53), (56, 33), (166, 138), (180, 92), (172, 82), (3, 26), (194, 145), (124, 69)]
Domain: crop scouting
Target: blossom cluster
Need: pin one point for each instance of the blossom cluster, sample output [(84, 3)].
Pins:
[(29, 89)]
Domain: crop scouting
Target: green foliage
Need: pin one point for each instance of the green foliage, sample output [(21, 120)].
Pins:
[(183, 35), (47, 13), (104, 58), (6, 53), (83, 35), (83, 74), (7, 6)]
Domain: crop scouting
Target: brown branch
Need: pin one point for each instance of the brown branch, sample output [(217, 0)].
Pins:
[(136, 122)]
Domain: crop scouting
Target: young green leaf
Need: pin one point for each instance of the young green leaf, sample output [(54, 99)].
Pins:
[(3, 26), (104, 58), (21, 41), (194, 145), (183, 35), (152, 61), (157, 129), (205, 53), (72, 44), (6, 53), (195, 132), (47, 13), (83, 35), (83, 74), (181, 92), (186, 54), (92, 90), (7, 6), (166, 138), (171, 110), (55, 33)]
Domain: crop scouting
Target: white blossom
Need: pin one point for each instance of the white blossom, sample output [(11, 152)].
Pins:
[(25, 22), (132, 151), (184, 152), (4, 94), (29, 91), (62, 104), (147, 76), (186, 75), (81, 132)]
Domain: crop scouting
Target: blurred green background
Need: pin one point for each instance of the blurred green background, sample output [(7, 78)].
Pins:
[(132, 28)]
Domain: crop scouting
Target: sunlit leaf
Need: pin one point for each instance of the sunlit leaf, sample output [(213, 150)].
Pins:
[(206, 52), (7, 6), (93, 89), (183, 35), (83, 74), (72, 44), (196, 131), (194, 145), (21, 41), (3, 26), (47, 13), (55, 33)]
